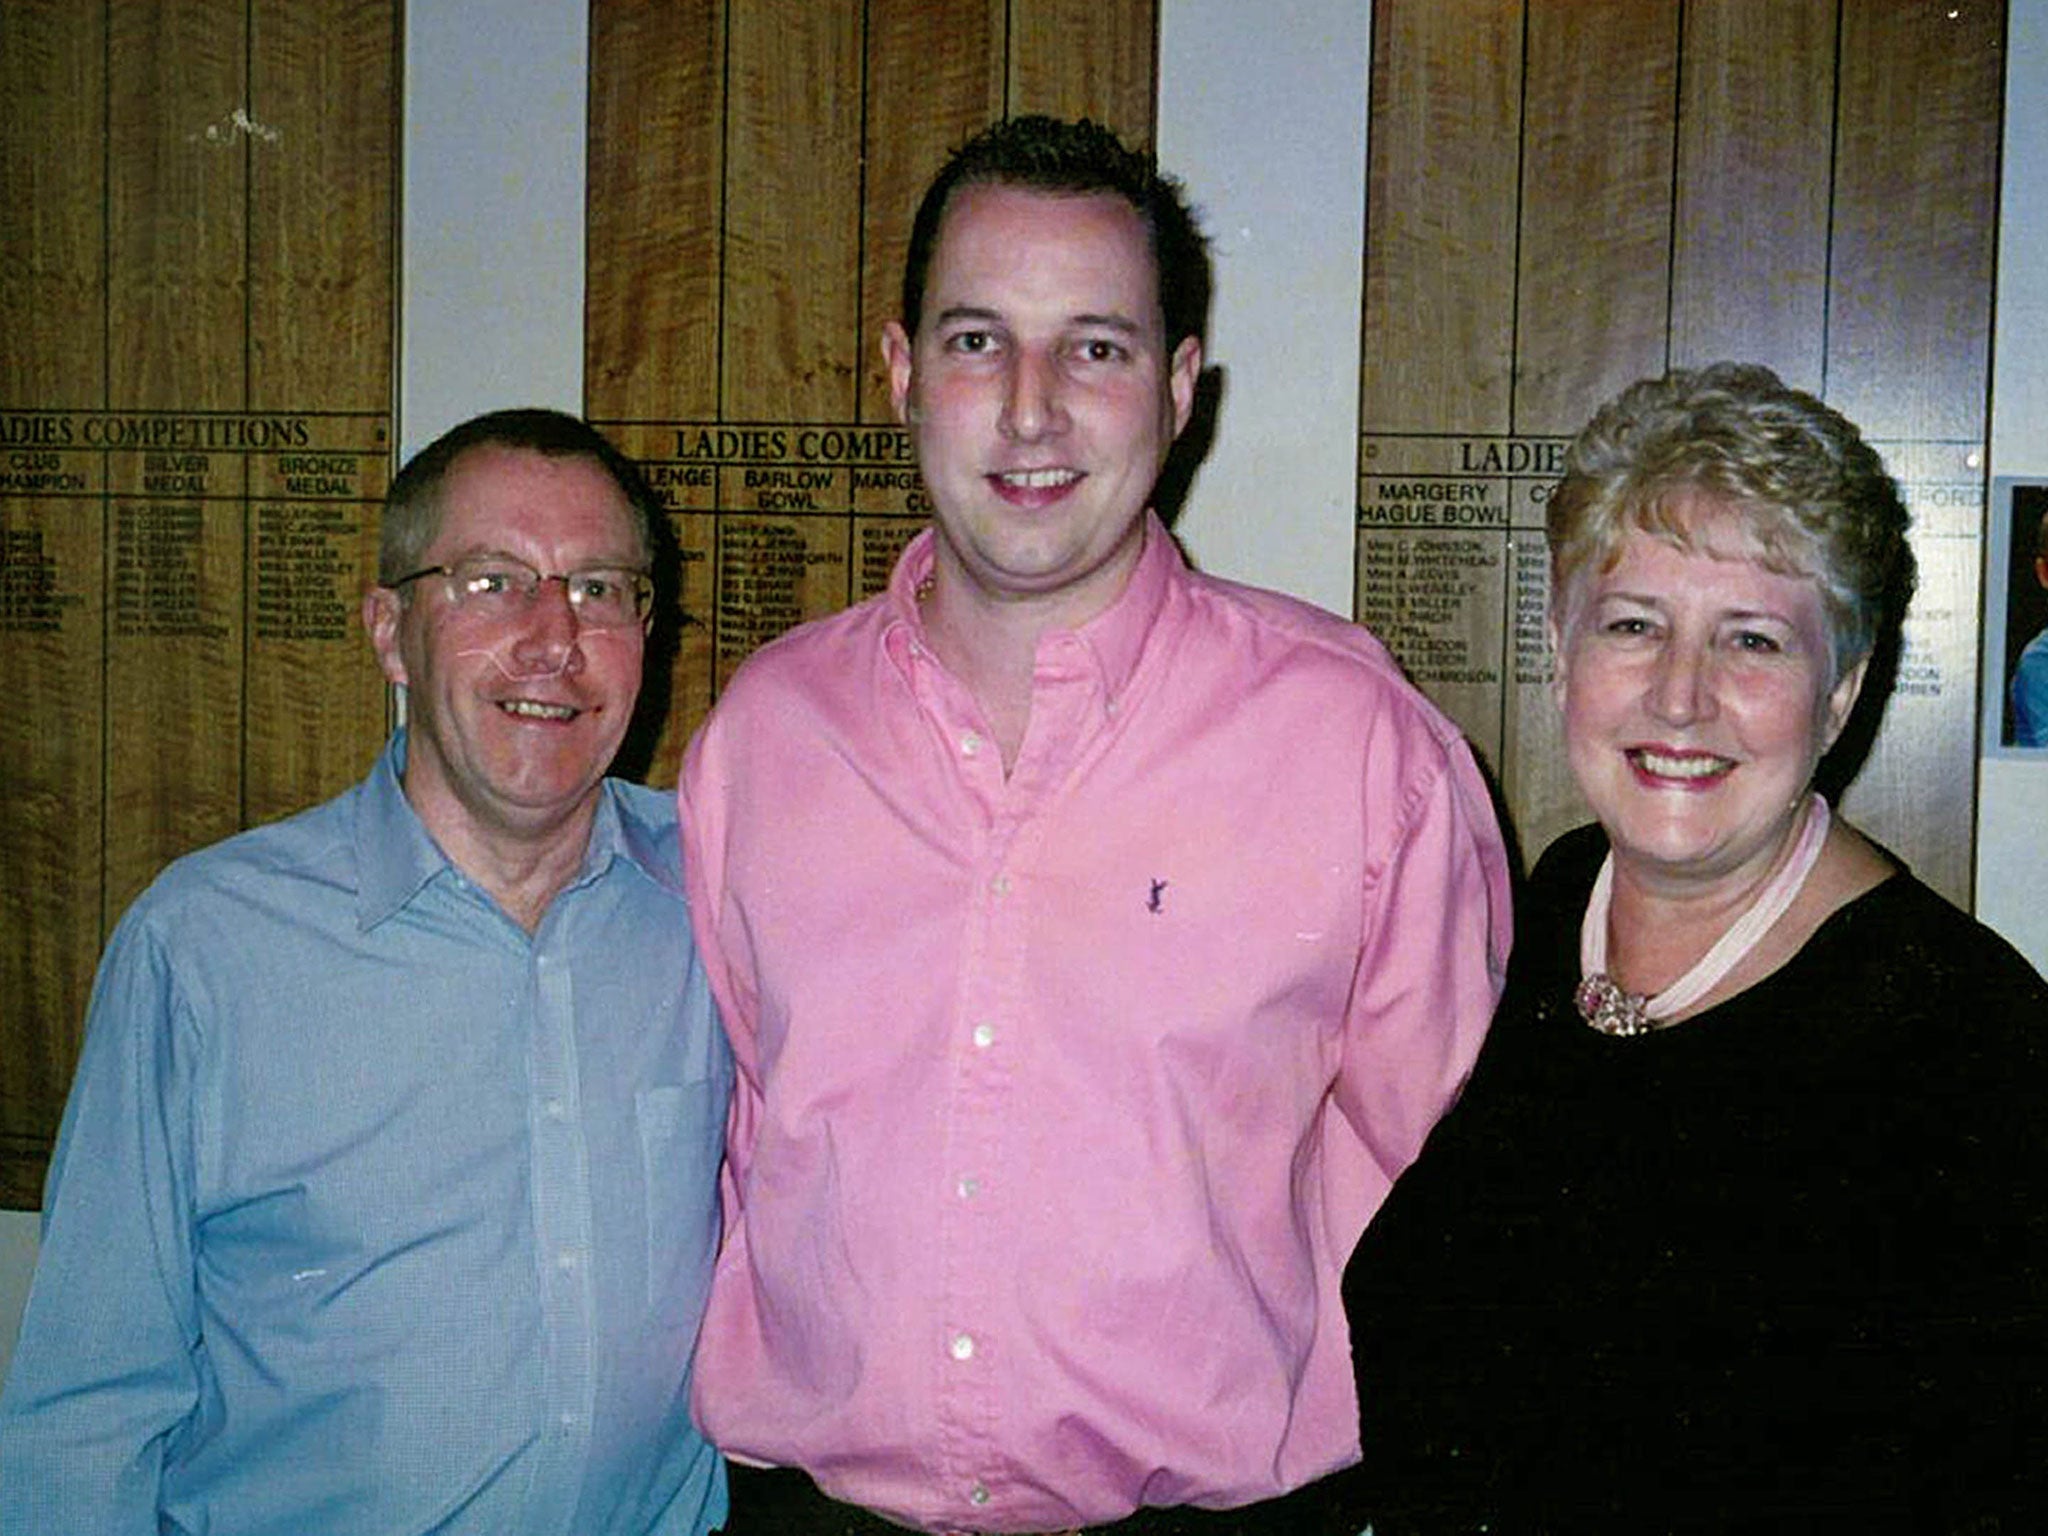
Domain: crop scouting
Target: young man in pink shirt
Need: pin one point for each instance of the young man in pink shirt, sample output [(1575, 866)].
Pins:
[(1098, 940)]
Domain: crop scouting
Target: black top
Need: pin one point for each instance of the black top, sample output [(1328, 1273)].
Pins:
[(1780, 1267)]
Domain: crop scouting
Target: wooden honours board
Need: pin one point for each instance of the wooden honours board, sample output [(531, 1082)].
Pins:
[(754, 166), (1566, 195), (196, 224)]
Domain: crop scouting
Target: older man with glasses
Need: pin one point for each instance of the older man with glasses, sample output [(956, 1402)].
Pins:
[(385, 1198)]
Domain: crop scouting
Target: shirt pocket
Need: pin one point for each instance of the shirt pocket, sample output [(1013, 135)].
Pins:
[(682, 1130)]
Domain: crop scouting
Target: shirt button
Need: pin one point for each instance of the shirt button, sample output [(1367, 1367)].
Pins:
[(962, 1346), (970, 744), (984, 1036), (1000, 885), (969, 1188), (977, 1494), (566, 1260), (555, 1109)]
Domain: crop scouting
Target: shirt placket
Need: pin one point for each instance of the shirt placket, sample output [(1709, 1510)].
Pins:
[(980, 1190), (561, 1218), (965, 1335)]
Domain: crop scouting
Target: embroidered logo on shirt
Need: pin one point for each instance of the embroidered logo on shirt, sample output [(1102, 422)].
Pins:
[(1156, 901)]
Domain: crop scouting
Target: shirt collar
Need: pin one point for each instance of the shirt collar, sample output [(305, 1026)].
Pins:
[(1119, 633), (621, 832), (397, 856), (1115, 637), (394, 855), (913, 570)]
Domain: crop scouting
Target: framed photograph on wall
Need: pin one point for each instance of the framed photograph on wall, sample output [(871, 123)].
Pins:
[(2016, 620)]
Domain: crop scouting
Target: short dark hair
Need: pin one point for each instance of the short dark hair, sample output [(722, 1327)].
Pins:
[(1048, 154), (412, 507)]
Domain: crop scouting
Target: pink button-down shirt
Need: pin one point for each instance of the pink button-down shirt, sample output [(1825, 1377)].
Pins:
[(1063, 1097)]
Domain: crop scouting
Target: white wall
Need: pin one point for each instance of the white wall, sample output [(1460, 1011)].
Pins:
[(490, 305), (1262, 112)]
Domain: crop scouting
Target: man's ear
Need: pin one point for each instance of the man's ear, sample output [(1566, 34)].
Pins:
[(383, 610), (896, 357), (1184, 372)]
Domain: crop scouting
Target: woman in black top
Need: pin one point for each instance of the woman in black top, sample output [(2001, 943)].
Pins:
[(1742, 1222)]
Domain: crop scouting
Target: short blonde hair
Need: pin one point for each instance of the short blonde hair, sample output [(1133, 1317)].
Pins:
[(1815, 496)]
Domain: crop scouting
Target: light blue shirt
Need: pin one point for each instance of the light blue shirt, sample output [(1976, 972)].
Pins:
[(371, 1212), (2030, 694)]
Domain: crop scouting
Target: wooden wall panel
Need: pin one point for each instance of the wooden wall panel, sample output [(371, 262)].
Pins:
[(651, 331), (196, 284), (322, 158), (791, 299), (1440, 194), (177, 184), (1755, 145), (177, 181), (322, 149), (1806, 185), (53, 60), (1599, 115), (792, 209), (52, 183), (1438, 342), (1916, 194), (1084, 58), (790, 488), (928, 89), (1599, 106), (1908, 357)]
